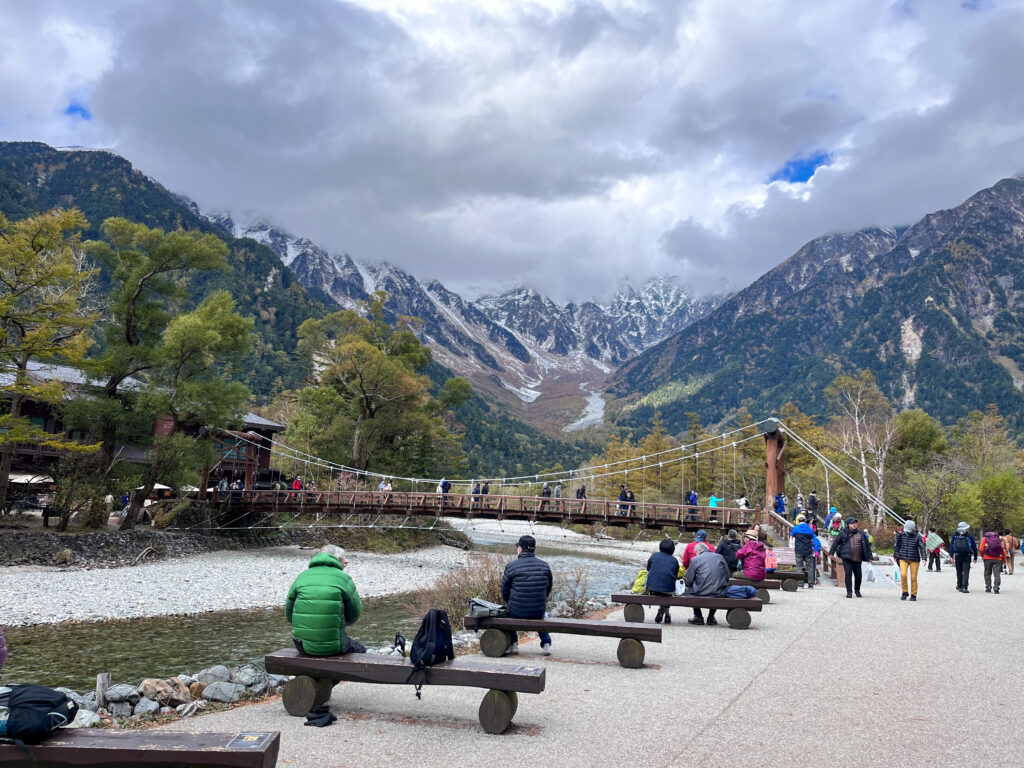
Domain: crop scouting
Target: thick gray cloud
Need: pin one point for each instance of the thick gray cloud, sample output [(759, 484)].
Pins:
[(561, 144)]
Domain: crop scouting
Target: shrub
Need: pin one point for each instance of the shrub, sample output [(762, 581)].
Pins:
[(65, 557), (452, 591), (571, 587)]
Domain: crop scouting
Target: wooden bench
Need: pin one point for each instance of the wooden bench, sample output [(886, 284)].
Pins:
[(737, 611), (790, 579), (762, 587), (499, 634), (166, 749), (315, 676)]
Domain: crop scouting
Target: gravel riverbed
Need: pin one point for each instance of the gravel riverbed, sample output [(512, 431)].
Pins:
[(214, 581)]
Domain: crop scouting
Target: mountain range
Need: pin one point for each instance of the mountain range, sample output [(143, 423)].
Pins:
[(934, 310), (519, 347)]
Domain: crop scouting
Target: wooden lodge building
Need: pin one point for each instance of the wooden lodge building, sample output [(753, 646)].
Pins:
[(244, 454)]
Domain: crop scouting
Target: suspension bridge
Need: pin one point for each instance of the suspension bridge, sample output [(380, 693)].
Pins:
[(345, 500)]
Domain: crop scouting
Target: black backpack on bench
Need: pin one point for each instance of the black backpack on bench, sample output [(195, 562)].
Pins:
[(34, 713), (432, 645)]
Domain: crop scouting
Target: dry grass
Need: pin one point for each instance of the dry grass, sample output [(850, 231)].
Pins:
[(452, 591)]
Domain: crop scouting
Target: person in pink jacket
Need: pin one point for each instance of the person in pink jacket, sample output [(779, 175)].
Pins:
[(752, 555)]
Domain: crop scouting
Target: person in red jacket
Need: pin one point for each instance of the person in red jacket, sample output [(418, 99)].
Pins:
[(690, 552), (994, 556)]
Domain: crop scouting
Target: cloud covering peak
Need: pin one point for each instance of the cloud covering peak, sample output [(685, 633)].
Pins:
[(562, 145)]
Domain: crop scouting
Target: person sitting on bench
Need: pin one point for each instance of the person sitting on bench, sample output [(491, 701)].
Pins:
[(321, 603), (525, 587), (728, 547), (707, 576), (662, 572), (753, 555)]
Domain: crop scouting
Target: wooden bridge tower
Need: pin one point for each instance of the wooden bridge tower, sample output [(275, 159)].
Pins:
[(775, 448)]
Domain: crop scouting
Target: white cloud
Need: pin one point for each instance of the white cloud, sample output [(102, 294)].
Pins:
[(562, 144)]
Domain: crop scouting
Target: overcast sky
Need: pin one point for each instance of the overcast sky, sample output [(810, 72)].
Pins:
[(560, 145)]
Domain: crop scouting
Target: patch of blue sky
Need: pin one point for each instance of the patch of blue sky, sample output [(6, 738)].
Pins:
[(78, 110), (801, 168)]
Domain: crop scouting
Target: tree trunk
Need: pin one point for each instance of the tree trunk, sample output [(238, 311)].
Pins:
[(357, 444), (132, 515)]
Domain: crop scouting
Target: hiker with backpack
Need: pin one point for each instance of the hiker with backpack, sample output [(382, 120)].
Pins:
[(963, 547), (525, 587), (993, 556), (909, 551), (1010, 544), (728, 547), (321, 604), (662, 573), (806, 548)]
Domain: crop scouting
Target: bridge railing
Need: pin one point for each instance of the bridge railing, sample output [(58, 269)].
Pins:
[(564, 510)]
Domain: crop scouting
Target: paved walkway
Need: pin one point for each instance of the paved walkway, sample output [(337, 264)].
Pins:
[(818, 678)]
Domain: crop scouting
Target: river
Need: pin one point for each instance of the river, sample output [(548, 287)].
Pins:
[(72, 654)]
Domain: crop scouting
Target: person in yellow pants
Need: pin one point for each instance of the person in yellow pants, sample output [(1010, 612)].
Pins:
[(909, 551)]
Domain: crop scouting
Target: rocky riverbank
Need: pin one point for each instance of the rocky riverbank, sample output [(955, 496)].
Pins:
[(215, 581), (111, 549)]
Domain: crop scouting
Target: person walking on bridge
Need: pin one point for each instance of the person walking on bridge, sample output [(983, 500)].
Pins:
[(854, 550), (963, 547), (909, 551), (525, 587)]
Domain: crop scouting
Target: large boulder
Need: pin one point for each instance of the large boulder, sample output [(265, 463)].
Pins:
[(223, 692), (122, 692), (247, 675), (147, 707), (216, 674), (168, 692)]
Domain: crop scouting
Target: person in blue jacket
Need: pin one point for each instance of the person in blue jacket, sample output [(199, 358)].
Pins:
[(806, 547), (962, 546), (662, 572)]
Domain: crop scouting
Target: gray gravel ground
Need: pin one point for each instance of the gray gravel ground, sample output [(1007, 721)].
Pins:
[(818, 679), (213, 581)]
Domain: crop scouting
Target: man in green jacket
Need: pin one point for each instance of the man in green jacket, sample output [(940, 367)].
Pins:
[(321, 602)]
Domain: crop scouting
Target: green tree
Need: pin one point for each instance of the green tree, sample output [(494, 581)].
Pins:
[(44, 315), (187, 383)]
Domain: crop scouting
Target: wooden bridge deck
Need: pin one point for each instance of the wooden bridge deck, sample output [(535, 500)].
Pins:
[(535, 509)]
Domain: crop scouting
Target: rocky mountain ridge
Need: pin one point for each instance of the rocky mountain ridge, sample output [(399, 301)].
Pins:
[(935, 311), (519, 345)]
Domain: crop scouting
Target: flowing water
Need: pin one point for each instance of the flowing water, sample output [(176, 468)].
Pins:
[(72, 654)]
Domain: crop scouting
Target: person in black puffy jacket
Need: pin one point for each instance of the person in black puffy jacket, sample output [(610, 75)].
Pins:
[(728, 547), (909, 551), (662, 572), (525, 587)]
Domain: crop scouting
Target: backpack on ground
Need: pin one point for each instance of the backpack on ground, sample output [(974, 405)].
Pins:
[(993, 545), (961, 545), (482, 609), (640, 582), (34, 712), (432, 645)]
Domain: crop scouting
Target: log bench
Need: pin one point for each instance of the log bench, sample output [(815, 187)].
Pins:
[(790, 579), (762, 587), (315, 676), (163, 749), (737, 611), (499, 634)]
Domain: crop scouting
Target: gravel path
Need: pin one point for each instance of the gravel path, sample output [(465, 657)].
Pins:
[(214, 581)]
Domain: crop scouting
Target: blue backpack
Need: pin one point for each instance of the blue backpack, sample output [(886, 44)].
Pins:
[(432, 645)]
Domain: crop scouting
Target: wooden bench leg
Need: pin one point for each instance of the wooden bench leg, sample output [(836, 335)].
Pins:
[(633, 612), (497, 710), (790, 585), (304, 694), (763, 595), (494, 642), (738, 618), (631, 653)]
